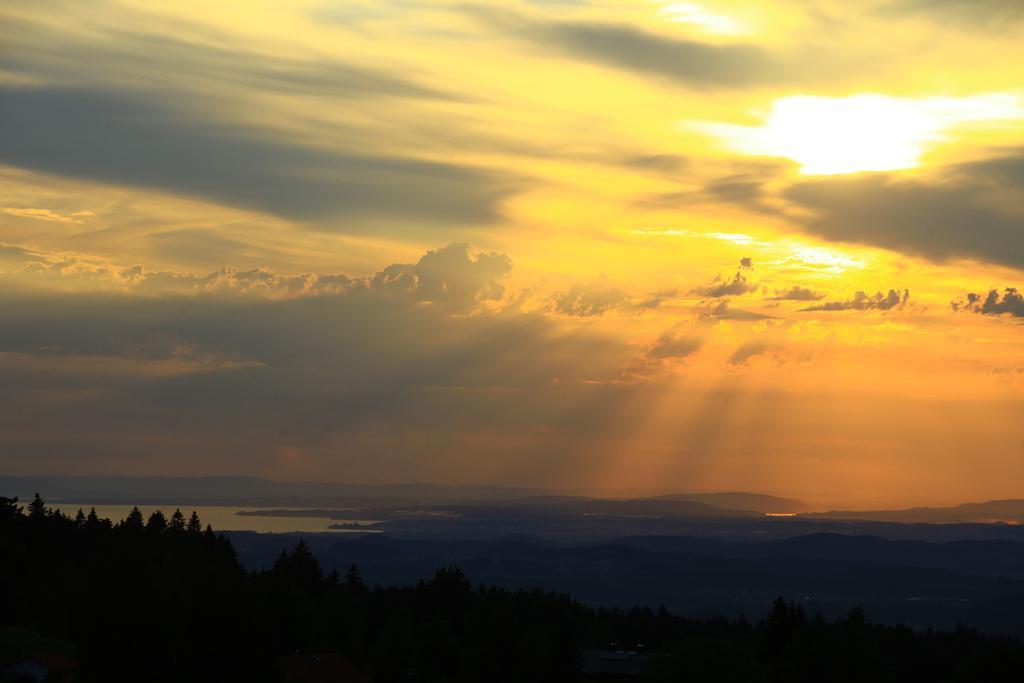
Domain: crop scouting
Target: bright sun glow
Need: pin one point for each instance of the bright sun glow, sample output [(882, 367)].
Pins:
[(828, 135), (701, 17)]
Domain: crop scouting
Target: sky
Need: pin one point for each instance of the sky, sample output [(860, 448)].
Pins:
[(595, 246)]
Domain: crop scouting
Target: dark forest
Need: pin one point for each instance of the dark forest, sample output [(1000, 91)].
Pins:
[(165, 599)]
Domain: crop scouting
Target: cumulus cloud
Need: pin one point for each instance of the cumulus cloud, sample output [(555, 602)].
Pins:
[(730, 286), (663, 354), (451, 277), (210, 380), (862, 301), (74, 271), (1010, 303)]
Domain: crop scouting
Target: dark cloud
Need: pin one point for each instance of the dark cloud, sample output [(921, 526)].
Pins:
[(723, 311), (692, 63), (149, 141), (659, 163), (862, 301), (655, 299), (670, 345), (453, 276), (749, 349), (160, 56), (731, 286), (588, 300), (797, 293), (746, 188), (1006, 168), (969, 211), (1010, 303), (184, 60), (737, 284), (978, 13), (689, 62)]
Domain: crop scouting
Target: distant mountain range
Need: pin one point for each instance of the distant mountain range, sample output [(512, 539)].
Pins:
[(239, 490), (757, 502), (993, 511), (256, 491), (259, 492)]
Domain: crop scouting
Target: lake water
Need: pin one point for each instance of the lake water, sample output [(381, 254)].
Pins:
[(223, 518)]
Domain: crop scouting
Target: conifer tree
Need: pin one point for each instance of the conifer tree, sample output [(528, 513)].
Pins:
[(37, 508), (157, 523), (80, 518), (300, 568), (282, 563), (194, 525), (133, 522), (177, 523), (354, 582), (9, 509)]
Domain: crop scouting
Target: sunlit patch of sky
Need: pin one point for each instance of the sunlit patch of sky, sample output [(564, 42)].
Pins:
[(863, 132), (703, 18)]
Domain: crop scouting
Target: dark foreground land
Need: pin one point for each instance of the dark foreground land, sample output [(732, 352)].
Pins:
[(165, 600)]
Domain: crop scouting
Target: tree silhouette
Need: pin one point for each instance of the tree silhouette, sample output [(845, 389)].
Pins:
[(300, 568), (133, 522), (9, 509), (177, 522), (194, 525), (157, 523), (354, 583), (37, 508)]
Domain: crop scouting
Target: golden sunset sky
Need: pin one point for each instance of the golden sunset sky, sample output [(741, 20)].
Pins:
[(616, 247)]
